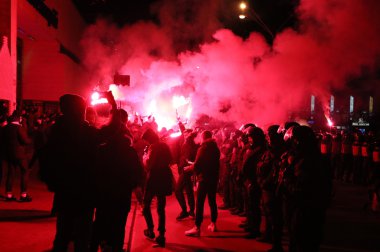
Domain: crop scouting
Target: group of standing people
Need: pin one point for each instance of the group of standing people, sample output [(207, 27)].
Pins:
[(280, 175), (93, 172)]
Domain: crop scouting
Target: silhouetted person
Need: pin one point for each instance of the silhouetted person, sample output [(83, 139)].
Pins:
[(226, 149), (118, 172), (188, 153), (159, 184), (206, 167), (256, 138), (16, 139), (2, 147), (67, 168), (307, 191)]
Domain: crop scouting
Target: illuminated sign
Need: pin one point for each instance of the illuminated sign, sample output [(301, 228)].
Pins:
[(312, 104), (360, 123), (351, 104), (332, 100)]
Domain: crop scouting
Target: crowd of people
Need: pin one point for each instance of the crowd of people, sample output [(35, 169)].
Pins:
[(282, 175)]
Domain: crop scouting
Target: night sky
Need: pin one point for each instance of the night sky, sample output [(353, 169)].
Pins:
[(192, 48), (276, 14)]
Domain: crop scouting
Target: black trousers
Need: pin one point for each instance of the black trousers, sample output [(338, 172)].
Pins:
[(306, 230), (12, 165), (226, 190), (161, 204), (1, 169), (73, 224), (209, 190), (184, 183), (278, 220), (109, 226), (254, 211), (267, 205)]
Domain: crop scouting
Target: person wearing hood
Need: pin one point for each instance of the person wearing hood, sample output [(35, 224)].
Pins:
[(159, 184), (118, 171), (67, 163)]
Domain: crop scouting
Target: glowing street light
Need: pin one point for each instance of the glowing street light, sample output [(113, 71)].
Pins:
[(243, 6), (245, 11)]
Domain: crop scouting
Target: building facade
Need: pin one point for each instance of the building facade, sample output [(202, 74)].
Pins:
[(40, 51)]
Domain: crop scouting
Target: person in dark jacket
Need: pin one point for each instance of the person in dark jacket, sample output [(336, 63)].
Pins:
[(118, 172), (67, 164), (206, 167), (307, 191), (2, 149), (159, 184), (188, 153), (16, 139), (256, 138)]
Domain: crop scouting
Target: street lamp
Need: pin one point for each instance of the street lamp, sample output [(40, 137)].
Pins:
[(243, 6)]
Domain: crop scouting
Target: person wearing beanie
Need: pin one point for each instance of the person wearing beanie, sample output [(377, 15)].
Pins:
[(206, 167)]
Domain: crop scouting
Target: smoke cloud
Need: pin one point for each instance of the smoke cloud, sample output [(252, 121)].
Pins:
[(230, 78)]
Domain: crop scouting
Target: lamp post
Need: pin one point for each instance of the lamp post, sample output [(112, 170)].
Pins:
[(245, 12)]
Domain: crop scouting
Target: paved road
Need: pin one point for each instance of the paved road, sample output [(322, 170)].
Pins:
[(29, 226)]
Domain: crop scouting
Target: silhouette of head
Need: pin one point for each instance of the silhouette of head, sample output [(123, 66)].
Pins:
[(150, 136), (72, 106)]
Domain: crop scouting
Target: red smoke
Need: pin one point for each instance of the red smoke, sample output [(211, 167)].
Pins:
[(234, 79)]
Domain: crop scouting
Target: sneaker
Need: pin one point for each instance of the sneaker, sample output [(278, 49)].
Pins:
[(182, 216), (159, 242), (149, 234), (10, 198), (26, 198), (212, 227), (195, 232)]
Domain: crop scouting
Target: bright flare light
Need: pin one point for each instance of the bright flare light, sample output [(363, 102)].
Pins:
[(165, 111), (95, 99), (243, 6), (329, 122), (176, 134), (242, 16), (179, 101)]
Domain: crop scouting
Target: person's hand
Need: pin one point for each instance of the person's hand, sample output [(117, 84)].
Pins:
[(111, 99), (188, 168)]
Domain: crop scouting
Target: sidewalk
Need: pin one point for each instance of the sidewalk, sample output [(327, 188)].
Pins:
[(227, 238), (28, 227)]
